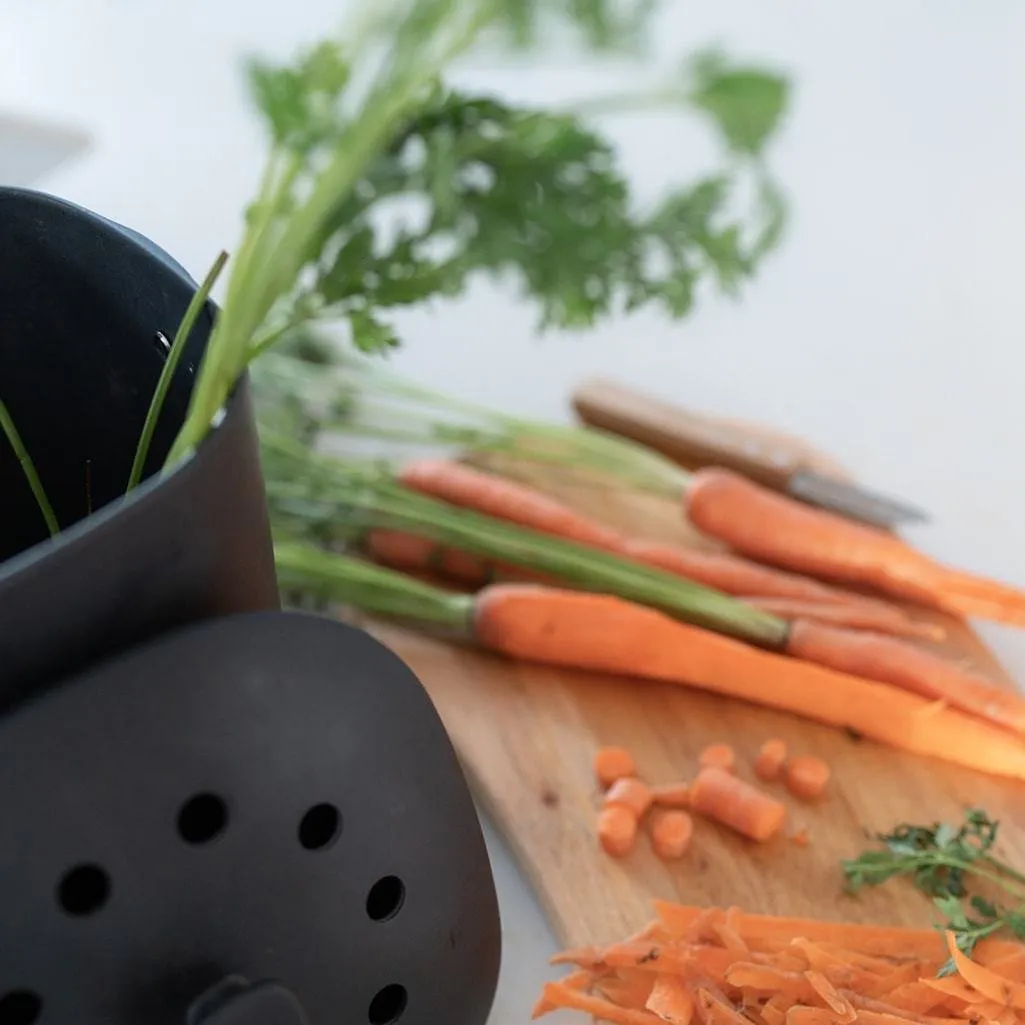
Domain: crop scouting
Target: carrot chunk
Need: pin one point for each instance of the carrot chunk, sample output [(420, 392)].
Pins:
[(807, 777), (631, 793), (719, 755), (617, 830), (613, 763), (672, 795), (670, 833), (734, 803), (772, 756)]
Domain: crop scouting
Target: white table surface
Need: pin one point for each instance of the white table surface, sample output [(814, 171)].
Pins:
[(889, 329)]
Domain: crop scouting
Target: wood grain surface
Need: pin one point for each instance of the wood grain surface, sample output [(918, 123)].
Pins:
[(527, 737)]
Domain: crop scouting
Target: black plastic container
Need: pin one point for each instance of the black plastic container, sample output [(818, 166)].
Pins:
[(215, 812)]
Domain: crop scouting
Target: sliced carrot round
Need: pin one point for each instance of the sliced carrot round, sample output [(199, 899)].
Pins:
[(631, 793), (670, 833), (612, 763), (770, 761), (719, 756), (807, 777), (617, 830)]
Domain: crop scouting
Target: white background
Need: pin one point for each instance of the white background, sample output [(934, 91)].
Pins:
[(889, 329)]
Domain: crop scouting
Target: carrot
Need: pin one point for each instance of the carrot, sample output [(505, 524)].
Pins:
[(613, 763), (617, 830), (670, 833), (607, 634), (631, 793), (765, 525), (879, 618), (721, 796), (801, 838), (506, 500), (891, 661), (407, 551), (672, 795), (556, 996), (807, 776), (720, 755), (771, 758)]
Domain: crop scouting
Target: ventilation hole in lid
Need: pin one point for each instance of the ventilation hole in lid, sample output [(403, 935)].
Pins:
[(202, 818), (20, 1007), (320, 827), (385, 898), (388, 1005), (83, 890)]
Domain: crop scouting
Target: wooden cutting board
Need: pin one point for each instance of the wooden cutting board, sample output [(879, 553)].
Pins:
[(527, 737)]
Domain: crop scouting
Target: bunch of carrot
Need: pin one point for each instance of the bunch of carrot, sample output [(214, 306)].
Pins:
[(557, 627), (712, 966), (804, 612)]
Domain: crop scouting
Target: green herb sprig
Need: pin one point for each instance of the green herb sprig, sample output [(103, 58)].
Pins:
[(942, 861)]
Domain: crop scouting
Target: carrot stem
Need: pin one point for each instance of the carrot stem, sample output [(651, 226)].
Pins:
[(29, 469)]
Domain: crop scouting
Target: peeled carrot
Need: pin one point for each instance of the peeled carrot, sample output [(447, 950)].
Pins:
[(613, 763), (719, 755), (606, 634), (765, 525), (880, 618), (670, 833), (721, 796), (807, 776), (671, 1000), (631, 793), (617, 829), (672, 795), (771, 758), (903, 665), (985, 980), (504, 499)]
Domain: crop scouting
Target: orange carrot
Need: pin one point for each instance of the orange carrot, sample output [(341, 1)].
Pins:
[(721, 796), (992, 986), (617, 830), (765, 525), (801, 838), (506, 500), (670, 833), (556, 996), (771, 758), (606, 634), (613, 763), (879, 618), (720, 755), (807, 776), (405, 551), (672, 795), (631, 793), (875, 657)]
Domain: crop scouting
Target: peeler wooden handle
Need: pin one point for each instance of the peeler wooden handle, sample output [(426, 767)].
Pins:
[(687, 438)]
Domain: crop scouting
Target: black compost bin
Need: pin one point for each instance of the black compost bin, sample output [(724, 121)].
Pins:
[(216, 813)]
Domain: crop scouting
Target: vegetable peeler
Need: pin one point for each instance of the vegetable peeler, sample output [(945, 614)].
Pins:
[(695, 441), (217, 812)]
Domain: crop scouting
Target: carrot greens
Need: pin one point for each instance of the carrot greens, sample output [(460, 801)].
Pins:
[(29, 469), (941, 860)]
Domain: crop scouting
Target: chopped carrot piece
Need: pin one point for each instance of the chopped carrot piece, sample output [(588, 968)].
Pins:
[(736, 804), (670, 833), (720, 756), (801, 838), (771, 758), (631, 793), (612, 764), (670, 1000), (807, 777), (672, 795), (617, 830)]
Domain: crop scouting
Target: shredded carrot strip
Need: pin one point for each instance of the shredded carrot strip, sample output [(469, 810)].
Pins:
[(671, 1000)]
